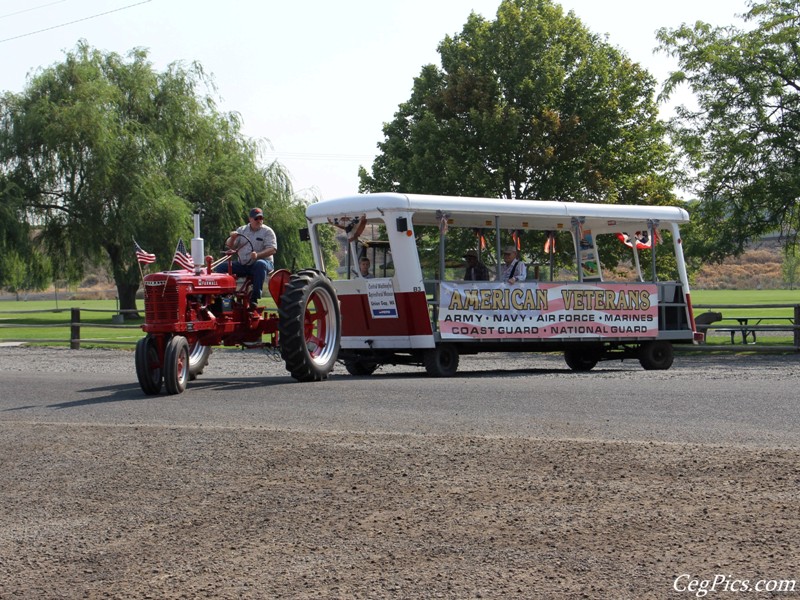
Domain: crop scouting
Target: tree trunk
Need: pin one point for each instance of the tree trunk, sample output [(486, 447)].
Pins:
[(126, 292)]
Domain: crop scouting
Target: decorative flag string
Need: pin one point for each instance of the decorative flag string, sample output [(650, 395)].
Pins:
[(443, 218), (516, 236), (550, 242), (481, 238), (641, 238)]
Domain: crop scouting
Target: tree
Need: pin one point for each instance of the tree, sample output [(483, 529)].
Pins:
[(741, 142), (791, 265), (102, 149), (286, 215), (529, 106), (20, 275), (17, 273)]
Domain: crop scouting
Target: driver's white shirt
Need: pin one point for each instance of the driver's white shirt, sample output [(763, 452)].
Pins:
[(260, 238)]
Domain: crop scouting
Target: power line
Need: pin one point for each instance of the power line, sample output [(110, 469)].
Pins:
[(108, 12), (24, 10)]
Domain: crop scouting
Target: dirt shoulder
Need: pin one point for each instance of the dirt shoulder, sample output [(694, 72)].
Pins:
[(165, 512)]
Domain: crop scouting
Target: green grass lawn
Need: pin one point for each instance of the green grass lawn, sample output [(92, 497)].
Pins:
[(721, 297), (721, 300), (48, 324), (52, 322)]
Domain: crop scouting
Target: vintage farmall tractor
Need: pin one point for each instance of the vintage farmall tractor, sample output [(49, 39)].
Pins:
[(187, 313)]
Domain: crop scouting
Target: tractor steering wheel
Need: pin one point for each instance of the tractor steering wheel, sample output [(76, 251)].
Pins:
[(239, 247)]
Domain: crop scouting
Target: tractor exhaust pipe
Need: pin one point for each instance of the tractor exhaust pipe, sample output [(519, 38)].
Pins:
[(198, 246)]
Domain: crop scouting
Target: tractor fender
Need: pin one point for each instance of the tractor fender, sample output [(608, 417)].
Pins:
[(277, 284)]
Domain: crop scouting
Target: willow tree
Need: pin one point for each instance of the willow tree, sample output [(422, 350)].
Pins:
[(22, 267), (101, 149), (531, 105)]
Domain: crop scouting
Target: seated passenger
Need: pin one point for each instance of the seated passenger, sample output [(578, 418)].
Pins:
[(363, 268), (475, 269), (513, 269)]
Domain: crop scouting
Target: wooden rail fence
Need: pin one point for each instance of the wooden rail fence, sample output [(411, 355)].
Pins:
[(750, 327), (74, 324)]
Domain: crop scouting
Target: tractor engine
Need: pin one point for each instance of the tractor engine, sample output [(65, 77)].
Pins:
[(206, 308)]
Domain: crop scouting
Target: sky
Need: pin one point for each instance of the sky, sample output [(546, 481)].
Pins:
[(314, 80)]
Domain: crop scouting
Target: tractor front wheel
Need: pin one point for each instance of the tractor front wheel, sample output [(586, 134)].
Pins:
[(148, 365), (176, 364), (310, 326)]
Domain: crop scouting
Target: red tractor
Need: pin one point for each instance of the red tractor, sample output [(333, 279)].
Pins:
[(186, 313)]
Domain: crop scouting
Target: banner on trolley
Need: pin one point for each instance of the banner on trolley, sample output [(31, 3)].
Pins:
[(484, 310)]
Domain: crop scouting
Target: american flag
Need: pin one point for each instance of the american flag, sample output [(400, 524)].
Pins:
[(142, 256), (183, 258)]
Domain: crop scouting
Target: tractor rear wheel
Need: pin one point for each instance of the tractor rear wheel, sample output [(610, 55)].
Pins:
[(310, 326), (148, 365), (176, 364)]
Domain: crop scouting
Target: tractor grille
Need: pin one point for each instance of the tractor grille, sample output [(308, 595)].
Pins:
[(161, 306)]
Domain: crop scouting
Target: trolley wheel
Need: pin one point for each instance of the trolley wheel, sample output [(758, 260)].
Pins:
[(656, 356), (176, 364), (309, 327), (441, 361), (582, 359), (360, 367), (148, 365)]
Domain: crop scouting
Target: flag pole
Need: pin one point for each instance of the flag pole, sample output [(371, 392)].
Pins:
[(138, 264), (169, 271)]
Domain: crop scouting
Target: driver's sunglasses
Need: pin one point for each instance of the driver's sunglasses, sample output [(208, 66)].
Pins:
[(258, 218)]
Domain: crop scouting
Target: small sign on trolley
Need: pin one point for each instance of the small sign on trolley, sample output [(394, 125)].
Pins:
[(382, 303)]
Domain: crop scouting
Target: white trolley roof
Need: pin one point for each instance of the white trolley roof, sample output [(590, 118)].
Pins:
[(510, 214)]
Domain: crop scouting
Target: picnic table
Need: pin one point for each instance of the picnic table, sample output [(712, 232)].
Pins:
[(748, 326)]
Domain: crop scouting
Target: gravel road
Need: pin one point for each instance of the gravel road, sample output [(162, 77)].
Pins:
[(141, 507)]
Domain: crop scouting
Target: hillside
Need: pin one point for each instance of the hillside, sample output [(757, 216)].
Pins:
[(756, 269)]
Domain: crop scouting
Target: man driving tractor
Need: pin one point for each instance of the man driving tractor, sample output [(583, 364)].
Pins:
[(256, 246)]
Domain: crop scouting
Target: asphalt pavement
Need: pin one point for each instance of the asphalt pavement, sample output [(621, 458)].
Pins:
[(727, 399)]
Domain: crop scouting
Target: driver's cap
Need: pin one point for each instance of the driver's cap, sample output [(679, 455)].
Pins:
[(256, 212)]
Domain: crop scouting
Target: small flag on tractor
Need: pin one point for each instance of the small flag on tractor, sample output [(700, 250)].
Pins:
[(183, 258), (144, 258)]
